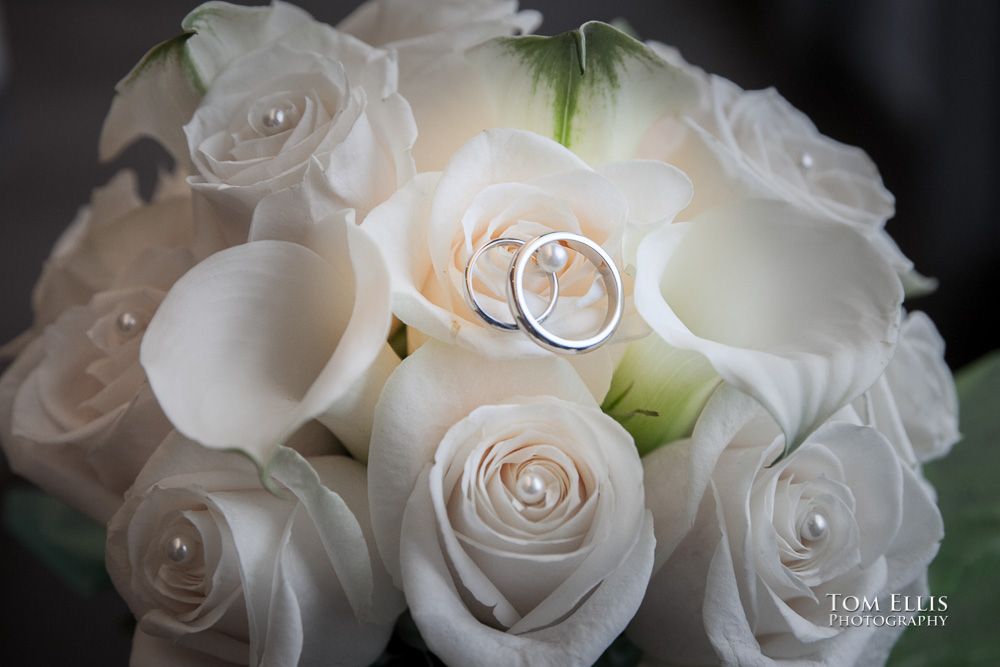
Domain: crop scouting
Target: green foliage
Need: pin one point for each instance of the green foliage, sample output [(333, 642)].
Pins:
[(70, 544), (967, 568)]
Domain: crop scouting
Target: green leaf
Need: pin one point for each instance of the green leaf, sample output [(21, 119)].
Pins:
[(658, 391), (967, 568), (595, 90), (69, 543), (621, 653)]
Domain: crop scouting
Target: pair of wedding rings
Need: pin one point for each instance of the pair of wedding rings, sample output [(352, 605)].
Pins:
[(548, 252)]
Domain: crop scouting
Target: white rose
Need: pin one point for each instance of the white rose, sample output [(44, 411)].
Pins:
[(430, 37), (915, 403), (778, 147), (181, 69), (103, 239), (515, 524), (752, 552), (419, 28), (513, 184), (799, 313), (273, 110), (78, 416), (736, 144), (219, 570), (262, 337), (259, 91)]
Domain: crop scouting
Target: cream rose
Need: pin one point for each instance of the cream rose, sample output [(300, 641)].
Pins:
[(218, 570), (915, 403), (420, 28), (430, 38), (256, 93), (736, 144), (513, 184), (274, 110), (514, 523), (750, 553), (777, 144), (103, 240), (78, 416), (182, 68)]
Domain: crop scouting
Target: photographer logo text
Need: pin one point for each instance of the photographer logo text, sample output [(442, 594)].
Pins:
[(896, 611)]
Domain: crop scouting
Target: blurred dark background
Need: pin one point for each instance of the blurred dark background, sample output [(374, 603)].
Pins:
[(913, 82)]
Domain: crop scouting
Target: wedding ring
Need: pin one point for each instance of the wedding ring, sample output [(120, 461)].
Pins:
[(470, 294), (531, 325)]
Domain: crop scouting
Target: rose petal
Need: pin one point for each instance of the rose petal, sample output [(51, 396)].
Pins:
[(341, 534), (151, 651), (452, 633), (55, 468), (924, 389), (656, 193), (677, 476)]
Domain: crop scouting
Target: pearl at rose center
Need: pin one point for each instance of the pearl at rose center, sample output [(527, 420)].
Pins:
[(274, 120), (127, 322), (530, 486), (814, 527), (178, 549)]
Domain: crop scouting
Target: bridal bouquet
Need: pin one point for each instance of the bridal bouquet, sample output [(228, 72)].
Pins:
[(508, 344)]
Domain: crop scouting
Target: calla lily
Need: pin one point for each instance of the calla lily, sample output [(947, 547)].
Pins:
[(801, 314), (260, 338), (658, 391), (595, 90)]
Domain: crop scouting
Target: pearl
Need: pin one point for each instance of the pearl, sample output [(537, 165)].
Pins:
[(274, 120), (814, 527), (177, 549), (552, 257), (806, 161), (530, 487), (127, 322)]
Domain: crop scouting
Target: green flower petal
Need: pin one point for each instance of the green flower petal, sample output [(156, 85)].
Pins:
[(658, 391), (595, 90)]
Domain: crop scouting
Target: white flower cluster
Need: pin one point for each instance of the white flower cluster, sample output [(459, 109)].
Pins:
[(210, 372)]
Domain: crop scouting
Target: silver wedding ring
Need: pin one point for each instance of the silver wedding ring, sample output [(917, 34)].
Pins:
[(524, 319), (470, 293)]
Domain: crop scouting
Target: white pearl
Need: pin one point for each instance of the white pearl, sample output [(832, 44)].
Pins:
[(530, 487), (806, 161), (177, 549), (814, 527), (552, 257), (274, 120), (127, 322)]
